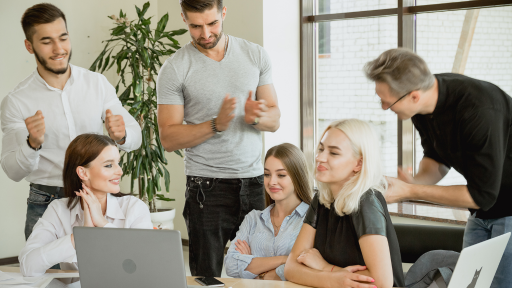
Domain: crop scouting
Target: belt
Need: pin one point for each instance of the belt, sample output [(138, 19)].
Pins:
[(53, 190)]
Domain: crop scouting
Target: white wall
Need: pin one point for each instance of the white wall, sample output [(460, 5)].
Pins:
[(281, 39)]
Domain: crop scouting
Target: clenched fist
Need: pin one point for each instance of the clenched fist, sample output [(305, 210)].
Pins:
[(115, 126), (36, 129)]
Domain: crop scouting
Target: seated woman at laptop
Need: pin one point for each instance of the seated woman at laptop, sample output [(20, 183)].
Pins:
[(265, 238), (91, 183), (347, 239)]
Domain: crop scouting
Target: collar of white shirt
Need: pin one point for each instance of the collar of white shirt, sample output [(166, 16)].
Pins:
[(70, 81), (113, 209)]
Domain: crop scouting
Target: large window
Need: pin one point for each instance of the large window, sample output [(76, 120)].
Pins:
[(342, 88), (468, 37)]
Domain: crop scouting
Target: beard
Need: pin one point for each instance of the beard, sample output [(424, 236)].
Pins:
[(44, 63), (216, 40)]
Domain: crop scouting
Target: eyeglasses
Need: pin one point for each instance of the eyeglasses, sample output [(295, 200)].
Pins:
[(398, 100)]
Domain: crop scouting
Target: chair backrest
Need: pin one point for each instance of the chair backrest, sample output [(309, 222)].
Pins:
[(415, 240)]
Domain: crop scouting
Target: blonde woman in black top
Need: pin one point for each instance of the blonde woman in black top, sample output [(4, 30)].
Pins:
[(347, 239)]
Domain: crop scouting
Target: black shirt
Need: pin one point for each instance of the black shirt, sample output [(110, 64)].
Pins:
[(469, 130), (337, 237)]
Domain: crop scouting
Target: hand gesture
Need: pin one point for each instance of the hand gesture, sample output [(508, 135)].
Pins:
[(405, 176), (114, 125), (254, 109), (36, 129), (346, 277), (226, 113), (87, 215), (243, 247), (94, 206), (313, 259), (397, 190)]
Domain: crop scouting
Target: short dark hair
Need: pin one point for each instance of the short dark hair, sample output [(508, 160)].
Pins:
[(199, 5), (42, 13), (81, 152)]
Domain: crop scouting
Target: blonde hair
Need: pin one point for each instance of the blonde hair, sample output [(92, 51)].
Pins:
[(365, 145), (295, 164)]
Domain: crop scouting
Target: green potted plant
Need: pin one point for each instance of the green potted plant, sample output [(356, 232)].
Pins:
[(136, 51)]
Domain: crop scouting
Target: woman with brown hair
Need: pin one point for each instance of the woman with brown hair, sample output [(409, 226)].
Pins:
[(265, 238), (91, 185)]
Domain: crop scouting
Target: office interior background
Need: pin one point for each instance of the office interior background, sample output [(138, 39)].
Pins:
[(317, 65)]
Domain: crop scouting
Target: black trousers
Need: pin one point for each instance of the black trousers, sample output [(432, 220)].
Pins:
[(214, 210)]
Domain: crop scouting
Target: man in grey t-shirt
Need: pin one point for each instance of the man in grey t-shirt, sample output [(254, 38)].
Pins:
[(209, 84)]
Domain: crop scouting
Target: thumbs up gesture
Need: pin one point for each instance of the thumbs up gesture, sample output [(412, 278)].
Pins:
[(115, 126), (254, 109), (36, 129)]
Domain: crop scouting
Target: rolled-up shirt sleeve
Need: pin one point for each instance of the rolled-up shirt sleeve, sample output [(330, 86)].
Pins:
[(235, 262), (17, 159), (133, 131), (43, 248)]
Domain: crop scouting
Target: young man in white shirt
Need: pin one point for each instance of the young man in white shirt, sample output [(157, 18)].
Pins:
[(52, 106)]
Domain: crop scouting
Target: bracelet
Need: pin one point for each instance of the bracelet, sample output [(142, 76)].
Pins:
[(332, 267), (262, 275), (214, 126), (35, 149)]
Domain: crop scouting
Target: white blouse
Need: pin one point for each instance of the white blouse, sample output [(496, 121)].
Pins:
[(50, 241)]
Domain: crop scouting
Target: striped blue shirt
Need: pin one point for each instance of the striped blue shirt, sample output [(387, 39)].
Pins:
[(258, 232)]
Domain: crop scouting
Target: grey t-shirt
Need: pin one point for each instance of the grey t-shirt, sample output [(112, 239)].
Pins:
[(199, 83)]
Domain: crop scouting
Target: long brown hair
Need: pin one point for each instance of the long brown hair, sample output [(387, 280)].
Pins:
[(295, 164), (81, 152)]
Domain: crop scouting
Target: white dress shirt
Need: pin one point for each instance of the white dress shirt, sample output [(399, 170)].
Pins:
[(50, 241), (77, 109)]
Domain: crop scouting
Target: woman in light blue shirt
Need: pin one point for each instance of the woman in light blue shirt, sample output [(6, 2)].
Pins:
[(265, 238)]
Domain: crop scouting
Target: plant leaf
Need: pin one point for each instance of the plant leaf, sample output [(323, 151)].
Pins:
[(163, 198), (151, 189), (118, 30), (139, 13), (161, 26), (145, 8), (167, 179)]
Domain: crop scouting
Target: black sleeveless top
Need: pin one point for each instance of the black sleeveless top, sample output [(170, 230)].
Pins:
[(337, 237)]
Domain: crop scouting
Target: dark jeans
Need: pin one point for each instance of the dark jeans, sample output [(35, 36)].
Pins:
[(214, 210), (37, 202)]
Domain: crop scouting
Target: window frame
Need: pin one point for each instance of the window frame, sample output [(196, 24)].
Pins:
[(406, 11)]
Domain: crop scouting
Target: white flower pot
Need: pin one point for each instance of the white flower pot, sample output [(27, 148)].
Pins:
[(163, 220)]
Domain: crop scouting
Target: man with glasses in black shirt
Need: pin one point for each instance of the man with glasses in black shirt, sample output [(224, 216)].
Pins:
[(464, 123)]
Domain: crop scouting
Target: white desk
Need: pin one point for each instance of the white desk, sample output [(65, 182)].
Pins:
[(230, 282)]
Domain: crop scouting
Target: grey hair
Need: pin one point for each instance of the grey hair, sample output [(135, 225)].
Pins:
[(402, 69)]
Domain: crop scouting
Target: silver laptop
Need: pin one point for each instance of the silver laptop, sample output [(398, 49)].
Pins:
[(477, 264), (129, 258)]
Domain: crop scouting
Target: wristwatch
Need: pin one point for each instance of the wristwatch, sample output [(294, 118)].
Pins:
[(214, 126), (118, 142), (35, 149), (256, 121)]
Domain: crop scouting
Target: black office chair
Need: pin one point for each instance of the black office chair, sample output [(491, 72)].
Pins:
[(415, 240)]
